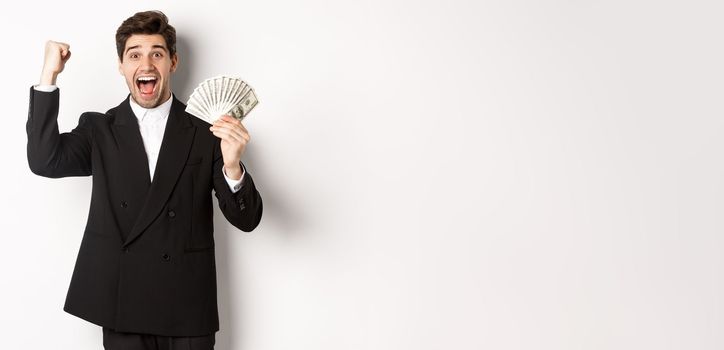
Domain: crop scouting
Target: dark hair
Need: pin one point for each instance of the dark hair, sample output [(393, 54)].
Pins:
[(148, 22)]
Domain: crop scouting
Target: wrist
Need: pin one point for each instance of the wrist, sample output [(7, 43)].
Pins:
[(233, 171), (48, 78)]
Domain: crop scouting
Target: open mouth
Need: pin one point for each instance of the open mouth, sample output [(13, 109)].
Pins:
[(146, 85)]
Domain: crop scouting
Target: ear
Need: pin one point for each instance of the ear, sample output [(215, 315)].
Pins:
[(174, 62)]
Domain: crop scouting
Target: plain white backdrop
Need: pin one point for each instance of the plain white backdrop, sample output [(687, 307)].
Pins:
[(436, 175)]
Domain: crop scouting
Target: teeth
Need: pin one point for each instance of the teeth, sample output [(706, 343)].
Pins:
[(146, 78)]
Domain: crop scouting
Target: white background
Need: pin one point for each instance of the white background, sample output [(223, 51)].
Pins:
[(436, 175)]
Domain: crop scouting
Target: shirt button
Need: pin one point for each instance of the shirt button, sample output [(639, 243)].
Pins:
[(124, 205), (171, 214), (166, 257)]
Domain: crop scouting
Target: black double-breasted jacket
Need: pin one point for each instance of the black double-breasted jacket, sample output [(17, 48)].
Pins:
[(146, 261)]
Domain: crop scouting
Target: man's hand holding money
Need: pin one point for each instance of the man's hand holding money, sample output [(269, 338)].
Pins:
[(234, 138)]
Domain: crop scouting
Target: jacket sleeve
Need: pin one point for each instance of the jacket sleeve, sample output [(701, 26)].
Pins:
[(50, 153), (243, 209)]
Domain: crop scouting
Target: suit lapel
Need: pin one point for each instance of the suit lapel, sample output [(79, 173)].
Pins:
[(177, 140), (130, 148)]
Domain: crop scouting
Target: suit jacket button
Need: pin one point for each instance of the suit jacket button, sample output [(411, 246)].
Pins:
[(171, 214), (125, 250), (124, 205), (166, 257)]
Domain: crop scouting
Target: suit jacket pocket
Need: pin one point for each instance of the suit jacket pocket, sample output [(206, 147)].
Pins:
[(193, 160), (198, 249)]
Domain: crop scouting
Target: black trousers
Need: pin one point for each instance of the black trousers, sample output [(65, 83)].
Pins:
[(113, 340)]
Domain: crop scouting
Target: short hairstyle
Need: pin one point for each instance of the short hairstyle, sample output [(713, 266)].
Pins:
[(147, 22)]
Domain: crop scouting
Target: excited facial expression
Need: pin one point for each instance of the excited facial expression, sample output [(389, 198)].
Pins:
[(147, 67)]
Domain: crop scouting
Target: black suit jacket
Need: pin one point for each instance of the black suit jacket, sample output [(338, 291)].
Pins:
[(146, 261)]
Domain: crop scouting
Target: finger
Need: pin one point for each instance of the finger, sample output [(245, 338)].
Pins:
[(62, 47), (223, 122), (235, 124), (235, 136), (237, 130), (230, 119), (228, 138), (223, 136), (244, 133)]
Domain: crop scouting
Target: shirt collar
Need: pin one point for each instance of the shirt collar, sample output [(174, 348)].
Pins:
[(157, 113)]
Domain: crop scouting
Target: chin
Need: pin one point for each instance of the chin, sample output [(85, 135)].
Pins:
[(146, 103)]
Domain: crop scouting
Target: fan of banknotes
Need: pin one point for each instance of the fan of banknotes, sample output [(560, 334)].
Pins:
[(221, 95)]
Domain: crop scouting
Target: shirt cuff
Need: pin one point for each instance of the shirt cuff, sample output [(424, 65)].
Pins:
[(234, 185), (45, 88)]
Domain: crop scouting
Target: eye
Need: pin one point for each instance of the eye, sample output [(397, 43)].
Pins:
[(133, 55), (157, 55)]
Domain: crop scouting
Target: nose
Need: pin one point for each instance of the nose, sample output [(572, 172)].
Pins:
[(146, 63)]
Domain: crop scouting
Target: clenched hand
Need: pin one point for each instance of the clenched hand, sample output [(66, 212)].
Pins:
[(56, 55), (234, 138)]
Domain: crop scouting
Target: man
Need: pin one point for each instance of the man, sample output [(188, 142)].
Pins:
[(145, 270)]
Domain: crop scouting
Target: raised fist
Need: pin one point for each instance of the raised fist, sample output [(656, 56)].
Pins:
[(56, 55)]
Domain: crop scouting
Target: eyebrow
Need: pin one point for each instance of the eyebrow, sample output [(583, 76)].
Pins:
[(155, 46)]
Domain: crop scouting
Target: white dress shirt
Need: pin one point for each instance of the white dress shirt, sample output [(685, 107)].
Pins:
[(152, 124)]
